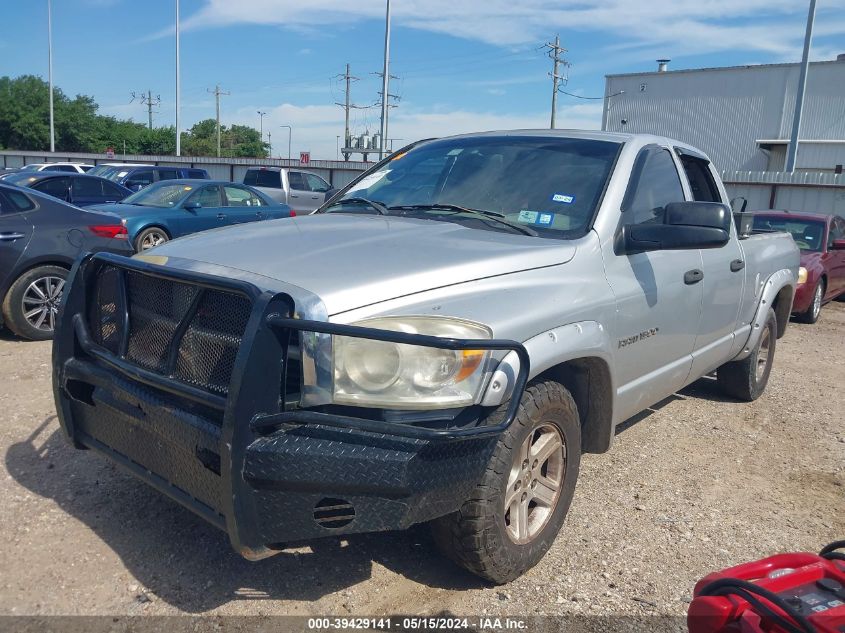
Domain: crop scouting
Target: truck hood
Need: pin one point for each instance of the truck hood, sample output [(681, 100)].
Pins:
[(351, 261)]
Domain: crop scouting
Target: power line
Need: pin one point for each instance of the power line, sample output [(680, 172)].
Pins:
[(555, 51), (149, 101), (571, 94), (217, 93)]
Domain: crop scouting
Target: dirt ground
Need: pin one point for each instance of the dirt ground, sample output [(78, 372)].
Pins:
[(697, 484)]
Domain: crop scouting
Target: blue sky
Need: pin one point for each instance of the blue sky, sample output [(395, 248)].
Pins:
[(463, 64)]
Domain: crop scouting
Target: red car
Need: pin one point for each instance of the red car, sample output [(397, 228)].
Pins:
[(821, 239)]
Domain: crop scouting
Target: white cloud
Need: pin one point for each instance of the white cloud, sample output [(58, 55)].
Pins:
[(676, 26), (315, 128)]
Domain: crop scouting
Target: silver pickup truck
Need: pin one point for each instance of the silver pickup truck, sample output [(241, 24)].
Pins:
[(440, 342)]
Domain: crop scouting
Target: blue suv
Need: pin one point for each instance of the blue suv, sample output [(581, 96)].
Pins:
[(135, 177)]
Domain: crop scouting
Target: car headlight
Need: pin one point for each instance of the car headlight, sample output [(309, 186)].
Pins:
[(401, 376), (802, 275)]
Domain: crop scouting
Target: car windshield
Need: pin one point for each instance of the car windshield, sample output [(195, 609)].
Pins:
[(546, 185), (808, 234), (32, 167), (163, 195)]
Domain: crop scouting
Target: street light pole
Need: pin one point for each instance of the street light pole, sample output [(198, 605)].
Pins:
[(50, 71), (290, 133), (178, 86), (337, 153), (261, 116), (385, 80), (792, 151)]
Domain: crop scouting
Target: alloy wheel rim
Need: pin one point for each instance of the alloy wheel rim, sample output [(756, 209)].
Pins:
[(763, 354), (817, 301), (534, 483), (41, 301), (152, 240)]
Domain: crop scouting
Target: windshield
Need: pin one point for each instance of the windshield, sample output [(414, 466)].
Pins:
[(163, 195), (547, 184), (32, 167), (808, 234)]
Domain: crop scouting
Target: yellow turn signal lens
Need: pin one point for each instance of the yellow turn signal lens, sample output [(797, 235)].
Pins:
[(802, 275)]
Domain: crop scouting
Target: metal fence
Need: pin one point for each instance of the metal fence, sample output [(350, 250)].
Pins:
[(338, 173), (816, 192)]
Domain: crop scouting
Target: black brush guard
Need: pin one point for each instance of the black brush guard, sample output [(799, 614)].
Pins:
[(235, 455)]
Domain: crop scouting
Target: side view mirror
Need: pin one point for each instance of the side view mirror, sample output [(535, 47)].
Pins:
[(686, 225), (837, 245), (191, 205)]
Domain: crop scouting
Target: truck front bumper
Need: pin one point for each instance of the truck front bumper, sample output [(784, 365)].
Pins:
[(266, 475)]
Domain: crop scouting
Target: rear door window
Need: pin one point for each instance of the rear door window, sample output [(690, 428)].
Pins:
[(700, 179), (14, 202), (208, 197), (297, 181), (56, 187), (87, 188), (167, 174), (196, 173), (264, 178), (240, 197)]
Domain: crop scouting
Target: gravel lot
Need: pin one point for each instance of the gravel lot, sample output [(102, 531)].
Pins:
[(694, 485)]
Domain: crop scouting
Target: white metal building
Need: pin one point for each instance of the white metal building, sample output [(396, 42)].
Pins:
[(741, 116)]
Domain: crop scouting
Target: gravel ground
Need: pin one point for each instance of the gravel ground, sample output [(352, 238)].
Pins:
[(696, 484)]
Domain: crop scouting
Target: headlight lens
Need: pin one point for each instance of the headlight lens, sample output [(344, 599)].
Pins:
[(382, 374), (802, 275)]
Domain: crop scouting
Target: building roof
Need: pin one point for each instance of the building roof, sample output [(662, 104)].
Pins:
[(723, 68)]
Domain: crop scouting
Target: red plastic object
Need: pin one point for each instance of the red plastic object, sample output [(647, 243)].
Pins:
[(821, 603)]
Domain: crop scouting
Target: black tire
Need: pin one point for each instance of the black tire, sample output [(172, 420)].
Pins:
[(149, 234), (23, 298), (477, 536), (811, 314), (746, 379)]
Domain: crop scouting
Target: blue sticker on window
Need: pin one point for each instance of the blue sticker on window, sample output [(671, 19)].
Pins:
[(545, 219), (562, 197)]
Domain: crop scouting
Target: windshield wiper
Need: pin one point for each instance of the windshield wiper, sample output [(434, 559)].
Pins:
[(454, 208), (378, 206)]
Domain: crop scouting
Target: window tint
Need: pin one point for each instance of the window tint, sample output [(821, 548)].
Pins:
[(87, 187), (168, 174), (196, 173), (14, 202), (56, 187), (700, 180), (837, 229), (113, 191), (263, 178), (63, 168), (208, 197), (657, 184), (240, 197), (141, 177), (807, 234), (297, 181), (317, 184)]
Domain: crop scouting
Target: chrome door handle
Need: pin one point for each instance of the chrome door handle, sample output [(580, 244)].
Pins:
[(8, 237), (221, 216), (315, 197)]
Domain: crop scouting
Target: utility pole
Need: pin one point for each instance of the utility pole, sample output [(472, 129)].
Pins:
[(50, 71), (290, 134), (386, 111), (270, 143), (555, 51), (261, 116), (792, 151), (178, 87), (385, 81), (147, 100), (347, 105), (217, 93)]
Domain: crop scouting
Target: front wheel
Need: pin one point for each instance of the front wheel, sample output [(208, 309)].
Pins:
[(811, 314), (150, 238), (522, 499), (31, 305), (746, 379)]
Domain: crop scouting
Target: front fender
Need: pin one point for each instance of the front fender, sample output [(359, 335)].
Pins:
[(568, 342)]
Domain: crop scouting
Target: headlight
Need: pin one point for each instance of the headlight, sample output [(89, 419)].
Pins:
[(382, 374), (802, 275)]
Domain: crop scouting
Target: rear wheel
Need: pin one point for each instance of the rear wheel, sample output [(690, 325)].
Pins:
[(150, 238), (521, 501), (811, 314), (31, 305), (746, 379)]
